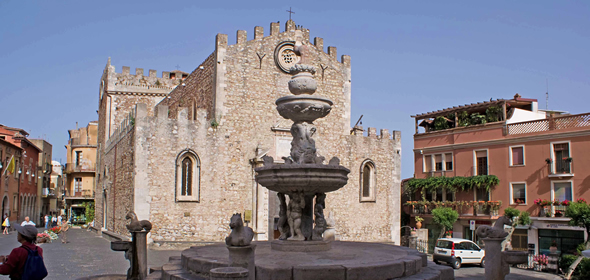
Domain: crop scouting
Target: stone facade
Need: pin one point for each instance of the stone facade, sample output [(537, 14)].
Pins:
[(224, 112)]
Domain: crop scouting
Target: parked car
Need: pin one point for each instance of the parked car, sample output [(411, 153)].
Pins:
[(457, 251)]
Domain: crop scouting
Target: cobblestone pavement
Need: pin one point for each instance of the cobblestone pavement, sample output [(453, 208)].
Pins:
[(85, 254)]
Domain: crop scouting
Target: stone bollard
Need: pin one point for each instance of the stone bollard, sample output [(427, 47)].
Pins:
[(413, 242), (243, 257), (225, 273), (495, 268), (139, 239)]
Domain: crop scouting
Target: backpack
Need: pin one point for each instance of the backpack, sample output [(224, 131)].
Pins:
[(34, 268)]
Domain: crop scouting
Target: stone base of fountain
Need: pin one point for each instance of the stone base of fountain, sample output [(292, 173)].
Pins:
[(299, 246), (345, 260)]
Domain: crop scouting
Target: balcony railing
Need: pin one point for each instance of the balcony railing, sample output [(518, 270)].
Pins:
[(562, 166), (71, 167), (565, 122), (80, 194), (47, 192), (464, 208), (553, 211)]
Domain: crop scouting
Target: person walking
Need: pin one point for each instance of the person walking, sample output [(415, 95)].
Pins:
[(64, 230), (6, 225), (27, 222), (59, 218), (54, 221), (14, 264), (46, 218)]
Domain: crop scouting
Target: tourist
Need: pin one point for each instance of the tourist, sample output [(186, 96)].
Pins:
[(5, 224), (54, 221), (14, 264), (64, 230), (28, 222), (46, 221), (59, 220)]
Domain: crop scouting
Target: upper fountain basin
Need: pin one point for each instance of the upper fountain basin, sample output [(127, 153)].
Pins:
[(308, 178), (304, 107)]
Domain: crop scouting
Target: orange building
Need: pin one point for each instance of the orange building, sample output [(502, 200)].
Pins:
[(536, 155), (24, 197)]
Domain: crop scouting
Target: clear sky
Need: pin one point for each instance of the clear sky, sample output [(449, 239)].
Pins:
[(408, 57)]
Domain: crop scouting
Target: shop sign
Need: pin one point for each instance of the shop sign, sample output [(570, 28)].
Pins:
[(563, 226)]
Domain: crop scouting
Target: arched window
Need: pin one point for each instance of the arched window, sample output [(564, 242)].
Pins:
[(188, 173), (368, 181)]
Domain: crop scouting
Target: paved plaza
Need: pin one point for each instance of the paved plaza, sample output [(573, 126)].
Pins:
[(89, 254), (85, 254)]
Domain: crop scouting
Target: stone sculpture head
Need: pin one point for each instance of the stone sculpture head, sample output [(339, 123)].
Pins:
[(236, 221)]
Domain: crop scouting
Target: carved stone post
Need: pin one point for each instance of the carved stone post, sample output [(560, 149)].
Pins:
[(139, 266), (243, 257)]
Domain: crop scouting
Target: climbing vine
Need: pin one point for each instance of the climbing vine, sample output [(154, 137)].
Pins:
[(453, 184)]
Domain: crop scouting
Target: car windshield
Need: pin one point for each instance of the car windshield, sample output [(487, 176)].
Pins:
[(445, 244)]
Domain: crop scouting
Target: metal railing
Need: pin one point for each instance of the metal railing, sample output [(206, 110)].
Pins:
[(562, 166), (72, 167)]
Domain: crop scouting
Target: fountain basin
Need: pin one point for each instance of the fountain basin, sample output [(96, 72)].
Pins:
[(303, 107), (515, 257), (307, 178), (120, 245)]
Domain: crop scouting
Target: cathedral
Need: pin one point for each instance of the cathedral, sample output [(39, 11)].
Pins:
[(180, 149)]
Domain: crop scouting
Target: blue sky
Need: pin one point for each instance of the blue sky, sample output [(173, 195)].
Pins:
[(408, 57)]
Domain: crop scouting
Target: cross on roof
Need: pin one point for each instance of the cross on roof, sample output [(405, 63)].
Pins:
[(290, 12), (177, 67)]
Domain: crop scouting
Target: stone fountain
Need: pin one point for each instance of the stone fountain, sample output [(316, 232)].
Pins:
[(303, 176)]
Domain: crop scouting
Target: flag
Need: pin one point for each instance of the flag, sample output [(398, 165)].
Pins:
[(11, 165)]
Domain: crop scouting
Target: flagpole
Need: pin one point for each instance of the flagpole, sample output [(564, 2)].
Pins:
[(8, 165)]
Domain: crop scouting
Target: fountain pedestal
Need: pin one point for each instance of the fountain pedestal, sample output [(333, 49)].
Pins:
[(495, 268)]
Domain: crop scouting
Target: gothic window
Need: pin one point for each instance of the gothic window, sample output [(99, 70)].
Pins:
[(188, 173), (367, 181)]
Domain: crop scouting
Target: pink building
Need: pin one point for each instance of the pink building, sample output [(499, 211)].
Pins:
[(535, 154)]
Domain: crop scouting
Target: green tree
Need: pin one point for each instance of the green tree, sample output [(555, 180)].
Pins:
[(89, 211), (517, 218), (579, 213), (445, 217)]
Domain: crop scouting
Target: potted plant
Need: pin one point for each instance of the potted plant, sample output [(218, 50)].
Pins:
[(449, 234), (568, 159), (565, 203), (548, 160), (581, 200), (419, 221), (553, 247), (558, 213), (556, 202)]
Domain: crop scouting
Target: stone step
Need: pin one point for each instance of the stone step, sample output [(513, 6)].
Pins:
[(433, 272), (174, 271)]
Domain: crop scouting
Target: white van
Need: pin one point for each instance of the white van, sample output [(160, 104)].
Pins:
[(457, 251)]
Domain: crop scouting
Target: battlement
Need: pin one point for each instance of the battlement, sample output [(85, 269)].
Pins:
[(275, 30), (372, 133), (138, 82)]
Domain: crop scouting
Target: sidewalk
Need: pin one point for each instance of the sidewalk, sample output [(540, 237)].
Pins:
[(85, 254)]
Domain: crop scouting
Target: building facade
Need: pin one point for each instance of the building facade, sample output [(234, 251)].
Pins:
[(44, 169), (215, 125), (56, 188), (25, 171), (536, 155), (9, 152), (80, 171)]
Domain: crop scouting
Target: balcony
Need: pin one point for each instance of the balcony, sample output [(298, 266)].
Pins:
[(563, 167), (84, 194), (464, 208), (548, 209), (557, 123), (80, 168), (50, 193)]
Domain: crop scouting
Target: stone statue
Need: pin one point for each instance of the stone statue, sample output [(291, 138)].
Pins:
[(267, 160), (137, 225), (283, 219), (320, 221), (295, 211), (240, 235), (497, 231), (301, 48), (303, 146)]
